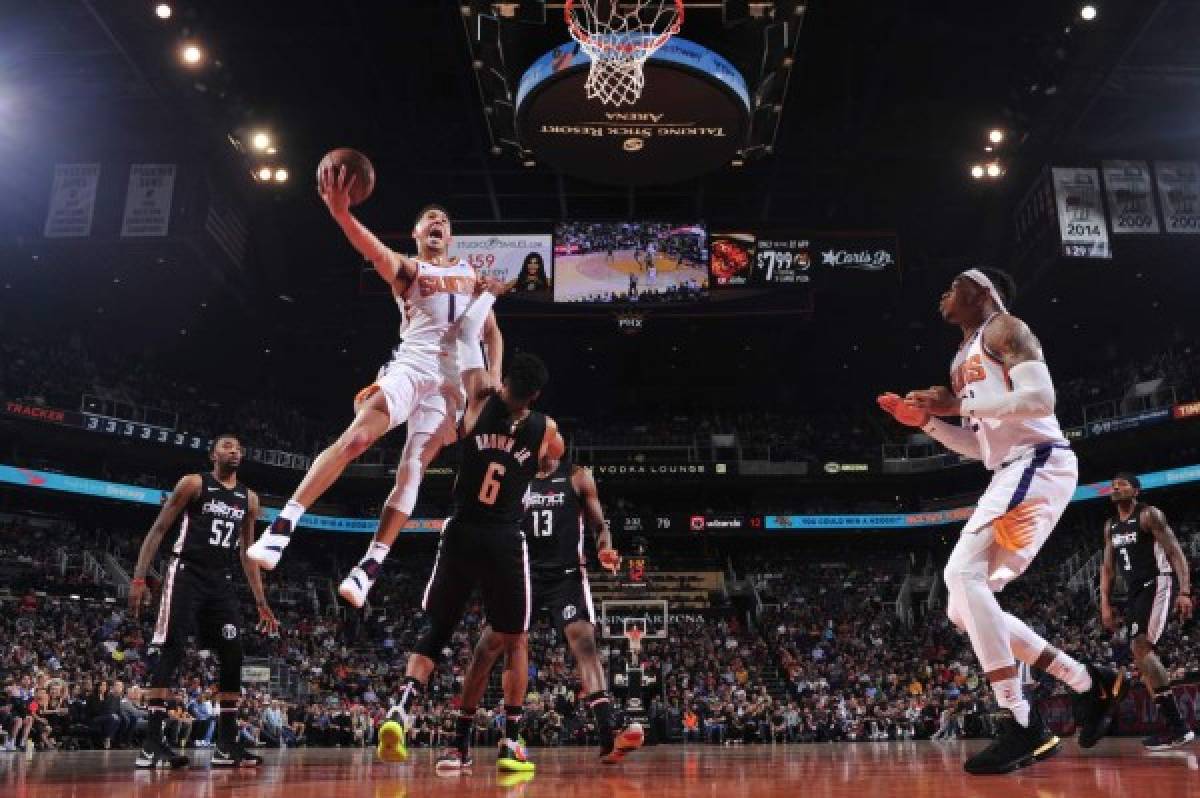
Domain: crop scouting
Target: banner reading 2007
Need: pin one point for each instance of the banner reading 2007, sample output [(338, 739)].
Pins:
[(1081, 221), (523, 259), (1179, 192)]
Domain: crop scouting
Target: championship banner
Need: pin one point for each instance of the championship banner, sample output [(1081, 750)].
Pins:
[(1130, 197), (148, 200), (1179, 193), (521, 259), (1081, 223), (72, 200)]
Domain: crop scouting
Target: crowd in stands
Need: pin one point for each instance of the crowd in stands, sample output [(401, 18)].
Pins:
[(59, 374), (827, 658)]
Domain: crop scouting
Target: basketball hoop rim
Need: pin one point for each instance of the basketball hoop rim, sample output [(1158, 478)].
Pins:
[(586, 40)]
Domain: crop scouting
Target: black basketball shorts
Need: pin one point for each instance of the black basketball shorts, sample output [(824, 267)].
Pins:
[(565, 592), (198, 603), (1149, 607), (492, 557)]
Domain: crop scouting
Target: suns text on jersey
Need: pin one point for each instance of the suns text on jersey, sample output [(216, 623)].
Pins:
[(501, 443)]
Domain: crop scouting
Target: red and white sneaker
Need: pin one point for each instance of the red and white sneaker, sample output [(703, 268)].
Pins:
[(626, 742)]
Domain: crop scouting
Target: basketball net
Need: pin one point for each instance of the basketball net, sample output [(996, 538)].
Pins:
[(635, 644), (619, 43)]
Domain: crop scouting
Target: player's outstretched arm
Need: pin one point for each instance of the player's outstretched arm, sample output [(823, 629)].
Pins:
[(585, 488), (1107, 572), (493, 339), (1155, 522), (185, 490), (334, 186), (266, 619)]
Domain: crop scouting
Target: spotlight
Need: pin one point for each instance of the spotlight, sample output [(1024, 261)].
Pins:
[(988, 148), (996, 136), (993, 170), (261, 141), (191, 54), (281, 175), (264, 173), (271, 150), (976, 171), (1088, 13), (162, 11)]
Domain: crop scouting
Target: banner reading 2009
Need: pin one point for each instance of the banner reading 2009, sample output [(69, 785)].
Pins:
[(525, 260)]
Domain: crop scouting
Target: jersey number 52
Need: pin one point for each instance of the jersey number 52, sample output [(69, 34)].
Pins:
[(222, 533)]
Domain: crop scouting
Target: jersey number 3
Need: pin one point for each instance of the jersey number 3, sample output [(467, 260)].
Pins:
[(490, 490), (222, 533)]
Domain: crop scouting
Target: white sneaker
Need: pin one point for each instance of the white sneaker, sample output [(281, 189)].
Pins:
[(355, 586), (267, 550)]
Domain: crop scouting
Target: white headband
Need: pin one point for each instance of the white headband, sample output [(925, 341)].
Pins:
[(981, 280)]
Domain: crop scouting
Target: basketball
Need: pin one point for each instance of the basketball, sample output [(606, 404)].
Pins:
[(357, 165)]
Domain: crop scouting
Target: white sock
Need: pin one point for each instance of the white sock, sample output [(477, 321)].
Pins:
[(1071, 672), (292, 511), (376, 551), (1010, 696)]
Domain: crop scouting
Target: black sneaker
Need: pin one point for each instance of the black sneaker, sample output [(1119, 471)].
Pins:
[(1167, 740), (234, 756), (1095, 708), (1015, 746), (160, 756)]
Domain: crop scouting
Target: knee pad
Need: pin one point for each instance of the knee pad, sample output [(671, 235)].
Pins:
[(408, 482), (435, 638), (170, 657), (229, 657)]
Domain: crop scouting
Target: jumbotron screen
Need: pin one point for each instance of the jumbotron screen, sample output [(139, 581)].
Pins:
[(638, 263)]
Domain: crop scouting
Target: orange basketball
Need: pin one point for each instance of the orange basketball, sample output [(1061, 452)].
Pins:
[(357, 165)]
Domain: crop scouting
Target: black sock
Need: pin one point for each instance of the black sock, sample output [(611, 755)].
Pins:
[(602, 712), (156, 715), (512, 722), (1165, 700), (462, 730), (227, 724)]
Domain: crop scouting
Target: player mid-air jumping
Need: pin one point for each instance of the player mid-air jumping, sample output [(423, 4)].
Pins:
[(420, 386)]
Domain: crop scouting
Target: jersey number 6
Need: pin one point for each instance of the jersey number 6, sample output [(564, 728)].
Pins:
[(490, 490)]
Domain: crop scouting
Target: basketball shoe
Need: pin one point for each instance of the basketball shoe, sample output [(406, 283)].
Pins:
[(355, 586), (234, 756), (627, 741), (393, 742), (452, 760), (1015, 746), (1172, 738), (160, 756), (1094, 708), (267, 550), (513, 757)]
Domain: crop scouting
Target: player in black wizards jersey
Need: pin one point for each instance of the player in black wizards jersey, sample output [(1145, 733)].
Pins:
[(503, 444), (198, 597), (559, 504), (1140, 544)]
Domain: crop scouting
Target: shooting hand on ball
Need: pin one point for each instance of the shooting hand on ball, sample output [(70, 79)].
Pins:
[(334, 186)]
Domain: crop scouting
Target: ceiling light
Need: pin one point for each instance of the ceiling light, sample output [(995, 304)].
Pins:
[(163, 11), (264, 173), (1088, 13), (281, 175), (976, 171), (993, 169), (996, 135), (191, 54), (261, 141)]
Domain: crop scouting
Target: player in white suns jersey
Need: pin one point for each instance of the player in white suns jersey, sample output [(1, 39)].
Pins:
[(1003, 394), (420, 386)]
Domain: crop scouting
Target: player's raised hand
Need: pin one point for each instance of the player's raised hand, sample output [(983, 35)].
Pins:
[(334, 184), (267, 622), (610, 560), (902, 411), (937, 401)]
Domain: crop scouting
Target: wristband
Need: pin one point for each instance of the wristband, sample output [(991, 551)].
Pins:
[(137, 581)]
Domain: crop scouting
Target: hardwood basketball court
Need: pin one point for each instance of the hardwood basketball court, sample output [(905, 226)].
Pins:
[(1114, 769)]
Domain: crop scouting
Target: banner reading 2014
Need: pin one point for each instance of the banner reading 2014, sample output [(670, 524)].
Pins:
[(524, 260), (1081, 221)]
